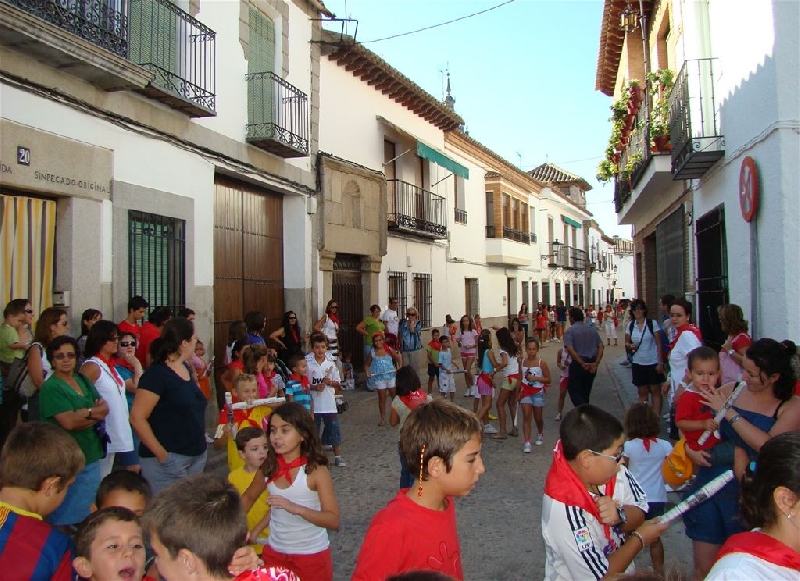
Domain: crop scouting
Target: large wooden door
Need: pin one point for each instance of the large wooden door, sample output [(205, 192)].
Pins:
[(248, 257), (347, 291)]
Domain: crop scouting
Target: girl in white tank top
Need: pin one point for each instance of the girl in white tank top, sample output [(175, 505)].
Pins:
[(535, 377), (303, 503)]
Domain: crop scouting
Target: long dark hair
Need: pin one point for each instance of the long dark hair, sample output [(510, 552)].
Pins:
[(506, 341), (255, 322), (87, 316), (288, 327), (470, 326), (772, 357), (100, 334), (296, 415), (484, 343), (175, 332)]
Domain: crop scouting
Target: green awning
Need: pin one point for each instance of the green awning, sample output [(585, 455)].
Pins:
[(570, 221), (440, 159)]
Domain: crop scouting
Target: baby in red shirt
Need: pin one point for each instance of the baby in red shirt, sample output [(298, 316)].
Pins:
[(692, 415)]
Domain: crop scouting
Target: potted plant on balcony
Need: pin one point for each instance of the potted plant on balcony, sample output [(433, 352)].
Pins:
[(606, 170), (661, 83), (636, 96)]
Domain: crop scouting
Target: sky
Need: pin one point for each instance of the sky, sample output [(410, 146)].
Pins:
[(523, 76)]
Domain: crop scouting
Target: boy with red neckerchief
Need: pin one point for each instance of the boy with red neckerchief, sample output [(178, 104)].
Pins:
[(245, 389), (593, 510), (298, 387)]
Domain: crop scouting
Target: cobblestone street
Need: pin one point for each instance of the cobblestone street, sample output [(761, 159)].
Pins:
[(499, 523)]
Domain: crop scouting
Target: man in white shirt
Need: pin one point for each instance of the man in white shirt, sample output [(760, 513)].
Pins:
[(392, 321)]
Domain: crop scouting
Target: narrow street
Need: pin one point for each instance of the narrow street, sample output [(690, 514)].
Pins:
[(499, 523)]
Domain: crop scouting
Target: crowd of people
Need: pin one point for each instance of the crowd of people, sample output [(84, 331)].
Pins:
[(112, 442)]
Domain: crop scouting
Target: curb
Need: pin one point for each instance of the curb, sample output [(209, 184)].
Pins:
[(618, 389)]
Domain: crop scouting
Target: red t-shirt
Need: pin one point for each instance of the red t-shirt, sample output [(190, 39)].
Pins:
[(125, 328), (405, 536), (690, 407), (148, 334)]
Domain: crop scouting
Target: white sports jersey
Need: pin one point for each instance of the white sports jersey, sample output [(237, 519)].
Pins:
[(745, 567), (324, 401), (575, 543)]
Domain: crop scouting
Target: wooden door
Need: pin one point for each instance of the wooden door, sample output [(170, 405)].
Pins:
[(248, 258)]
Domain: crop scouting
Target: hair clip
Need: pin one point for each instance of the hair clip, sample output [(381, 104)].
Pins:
[(421, 467), (752, 466)]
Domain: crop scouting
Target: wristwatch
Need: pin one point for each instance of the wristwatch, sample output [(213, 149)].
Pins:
[(623, 517), (731, 352), (89, 414)]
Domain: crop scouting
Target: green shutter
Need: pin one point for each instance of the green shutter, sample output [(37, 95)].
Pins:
[(153, 33), (260, 89)]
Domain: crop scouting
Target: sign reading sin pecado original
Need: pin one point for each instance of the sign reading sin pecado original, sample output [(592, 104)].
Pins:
[(38, 161)]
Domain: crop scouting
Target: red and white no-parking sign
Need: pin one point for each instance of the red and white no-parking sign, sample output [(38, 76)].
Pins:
[(748, 188)]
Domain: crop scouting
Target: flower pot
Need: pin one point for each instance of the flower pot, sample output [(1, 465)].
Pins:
[(661, 143)]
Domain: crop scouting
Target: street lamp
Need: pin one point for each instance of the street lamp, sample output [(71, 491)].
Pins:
[(554, 246)]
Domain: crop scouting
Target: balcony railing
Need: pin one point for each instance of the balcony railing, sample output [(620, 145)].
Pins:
[(567, 257), (516, 235), (416, 211), (277, 114), (92, 20), (533, 237), (179, 50), (622, 193), (490, 232), (460, 216), (636, 154), (694, 120)]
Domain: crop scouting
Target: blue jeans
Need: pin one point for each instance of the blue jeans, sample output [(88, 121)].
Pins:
[(79, 498), (332, 433), (406, 479), (175, 467)]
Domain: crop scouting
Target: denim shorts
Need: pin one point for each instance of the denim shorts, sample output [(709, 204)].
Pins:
[(536, 400), (332, 434)]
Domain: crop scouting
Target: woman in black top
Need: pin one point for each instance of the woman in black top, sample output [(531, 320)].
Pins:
[(168, 412), (289, 337)]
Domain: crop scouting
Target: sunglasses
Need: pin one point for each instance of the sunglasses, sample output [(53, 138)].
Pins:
[(411, 314), (617, 458), (127, 343), (334, 308), (292, 318), (113, 339), (29, 311), (62, 356)]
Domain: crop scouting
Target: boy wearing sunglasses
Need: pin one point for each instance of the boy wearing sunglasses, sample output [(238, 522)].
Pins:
[(593, 510)]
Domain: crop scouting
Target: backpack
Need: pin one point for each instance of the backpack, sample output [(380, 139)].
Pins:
[(630, 332), (18, 379)]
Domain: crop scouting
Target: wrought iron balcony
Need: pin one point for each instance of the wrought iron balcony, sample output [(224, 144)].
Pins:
[(516, 235), (179, 50), (92, 20), (415, 211), (277, 115), (567, 257), (694, 120), (636, 154), (533, 237), (460, 216), (622, 193)]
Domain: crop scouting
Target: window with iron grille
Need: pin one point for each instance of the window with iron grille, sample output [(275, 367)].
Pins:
[(157, 259), (423, 297), (397, 290)]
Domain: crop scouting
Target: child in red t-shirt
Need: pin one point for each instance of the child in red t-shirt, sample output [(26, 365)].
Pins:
[(450, 469), (541, 325), (692, 415)]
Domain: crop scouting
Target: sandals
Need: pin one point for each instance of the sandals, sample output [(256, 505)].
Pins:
[(500, 436), (514, 433)]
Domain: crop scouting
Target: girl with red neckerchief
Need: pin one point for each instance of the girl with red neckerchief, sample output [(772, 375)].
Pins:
[(409, 397), (301, 496), (687, 339), (770, 502), (328, 325)]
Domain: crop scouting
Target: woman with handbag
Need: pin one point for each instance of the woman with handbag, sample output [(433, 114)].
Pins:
[(643, 344), (70, 401)]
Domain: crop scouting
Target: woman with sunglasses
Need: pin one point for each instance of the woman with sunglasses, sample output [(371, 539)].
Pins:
[(289, 337), (130, 369), (328, 325), (101, 347), (410, 330), (643, 339), (69, 400)]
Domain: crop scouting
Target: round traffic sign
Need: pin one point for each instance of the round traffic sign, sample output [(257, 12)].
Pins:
[(748, 188)]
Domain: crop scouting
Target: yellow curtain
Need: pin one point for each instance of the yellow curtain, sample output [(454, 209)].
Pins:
[(27, 250)]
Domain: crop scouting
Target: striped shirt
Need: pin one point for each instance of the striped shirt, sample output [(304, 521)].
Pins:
[(30, 549), (298, 388)]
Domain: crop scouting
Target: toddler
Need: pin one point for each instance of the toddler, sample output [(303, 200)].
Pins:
[(447, 384)]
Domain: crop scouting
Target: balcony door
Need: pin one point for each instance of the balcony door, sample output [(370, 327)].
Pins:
[(472, 303), (153, 28), (261, 88)]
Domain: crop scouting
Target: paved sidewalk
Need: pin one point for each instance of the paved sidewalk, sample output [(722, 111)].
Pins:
[(499, 523)]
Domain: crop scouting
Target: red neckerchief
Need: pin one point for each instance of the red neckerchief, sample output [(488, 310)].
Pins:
[(114, 375), (303, 381), (119, 361), (285, 468), (762, 546), (563, 485), (435, 345), (267, 574), (682, 329), (647, 442), (334, 317), (295, 334), (414, 399)]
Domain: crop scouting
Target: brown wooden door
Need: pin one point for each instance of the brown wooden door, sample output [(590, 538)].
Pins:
[(347, 291), (248, 258)]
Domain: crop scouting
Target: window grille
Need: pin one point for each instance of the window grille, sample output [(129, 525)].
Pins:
[(157, 259), (397, 289), (423, 297)]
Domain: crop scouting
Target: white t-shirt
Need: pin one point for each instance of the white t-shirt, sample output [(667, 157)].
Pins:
[(647, 352), (746, 567), (391, 320), (646, 466), (679, 358), (324, 401), (575, 541), (512, 368)]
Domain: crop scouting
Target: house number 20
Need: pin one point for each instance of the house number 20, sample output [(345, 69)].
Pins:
[(23, 155)]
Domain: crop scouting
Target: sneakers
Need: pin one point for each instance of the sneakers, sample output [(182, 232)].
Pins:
[(539, 440), (557, 418), (527, 448), (327, 447), (339, 462), (489, 429)]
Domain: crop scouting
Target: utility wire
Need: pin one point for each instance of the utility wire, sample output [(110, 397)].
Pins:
[(440, 24)]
